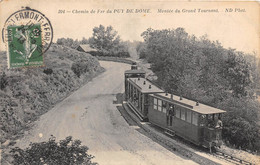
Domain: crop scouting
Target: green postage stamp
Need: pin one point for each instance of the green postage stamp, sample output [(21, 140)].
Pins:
[(25, 46), (28, 35)]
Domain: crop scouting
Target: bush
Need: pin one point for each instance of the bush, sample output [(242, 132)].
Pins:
[(3, 81), (242, 133), (240, 123), (114, 54), (65, 151), (48, 71), (79, 68)]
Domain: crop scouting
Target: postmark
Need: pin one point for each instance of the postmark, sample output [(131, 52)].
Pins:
[(27, 34)]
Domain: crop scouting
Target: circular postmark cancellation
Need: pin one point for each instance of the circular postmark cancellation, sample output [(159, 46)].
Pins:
[(27, 34)]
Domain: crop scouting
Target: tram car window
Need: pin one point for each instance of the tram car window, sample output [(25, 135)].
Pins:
[(155, 104), (164, 106), (195, 118), (159, 105), (146, 100), (178, 112), (183, 114), (189, 116)]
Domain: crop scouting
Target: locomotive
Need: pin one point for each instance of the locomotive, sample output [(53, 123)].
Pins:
[(197, 123)]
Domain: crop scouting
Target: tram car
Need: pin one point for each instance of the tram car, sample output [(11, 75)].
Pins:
[(133, 73), (138, 90), (191, 120)]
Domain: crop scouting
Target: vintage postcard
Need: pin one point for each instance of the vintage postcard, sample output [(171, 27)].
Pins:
[(116, 82)]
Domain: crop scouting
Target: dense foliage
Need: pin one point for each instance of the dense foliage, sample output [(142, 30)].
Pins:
[(69, 42), (65, 151), (107, 42), (202, 70)]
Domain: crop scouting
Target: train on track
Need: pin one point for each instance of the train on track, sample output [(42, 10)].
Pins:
[(195, 122)]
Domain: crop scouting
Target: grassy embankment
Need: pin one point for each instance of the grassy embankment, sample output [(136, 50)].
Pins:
[(31, 92)]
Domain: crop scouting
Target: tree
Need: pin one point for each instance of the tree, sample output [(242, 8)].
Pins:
[(258, 75), (202, 70), (141, 50), (68, 42), (107, 41), (104, 38), (65, 151), (167, 52), (238, 73), (84, 41)]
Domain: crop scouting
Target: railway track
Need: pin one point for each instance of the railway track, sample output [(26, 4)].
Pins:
[(230, 158), (219, 154)]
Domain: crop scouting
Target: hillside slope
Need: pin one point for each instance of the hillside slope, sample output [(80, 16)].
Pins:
[(30, 92)]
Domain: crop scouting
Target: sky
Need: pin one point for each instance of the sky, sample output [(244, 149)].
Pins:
[(239, 30)]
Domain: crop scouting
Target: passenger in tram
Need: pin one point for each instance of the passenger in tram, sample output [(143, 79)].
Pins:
[(219, 123), (170, 115), (203, 120), (211, 122), (218, 127)]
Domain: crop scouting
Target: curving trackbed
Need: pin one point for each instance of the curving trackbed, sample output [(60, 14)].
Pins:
[(90, 115)]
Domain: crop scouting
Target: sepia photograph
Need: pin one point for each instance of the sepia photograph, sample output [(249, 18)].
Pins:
[(128, 82)]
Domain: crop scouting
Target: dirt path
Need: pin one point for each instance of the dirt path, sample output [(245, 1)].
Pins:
[(90, 115)]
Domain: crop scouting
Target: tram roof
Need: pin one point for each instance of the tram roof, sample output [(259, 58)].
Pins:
[(190, 104), (134, 71), (144, 88)]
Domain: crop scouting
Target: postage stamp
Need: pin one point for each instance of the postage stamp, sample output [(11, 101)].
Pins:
[(27, 34)]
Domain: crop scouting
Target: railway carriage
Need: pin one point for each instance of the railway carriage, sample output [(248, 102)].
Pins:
[(188, 119), (134, 72)]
